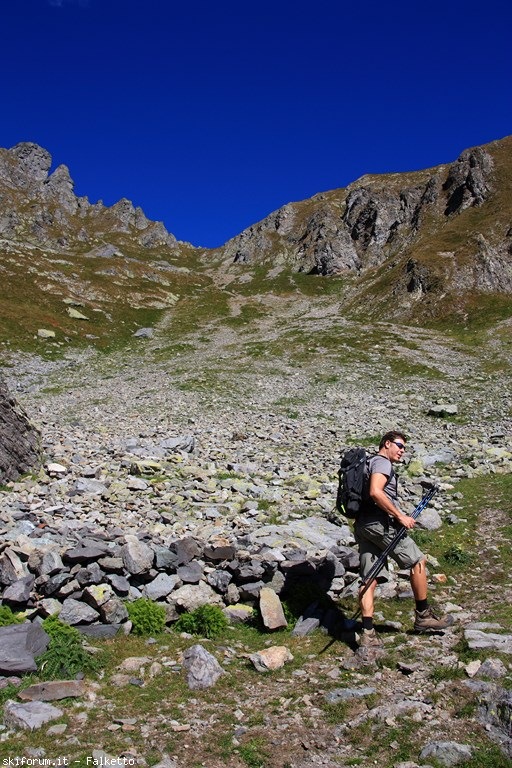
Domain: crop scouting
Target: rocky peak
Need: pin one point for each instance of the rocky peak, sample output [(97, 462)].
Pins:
[(54, 206), (32, 163)]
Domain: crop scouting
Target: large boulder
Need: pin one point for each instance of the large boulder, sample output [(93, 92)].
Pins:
[(19, 440), (20, 645)]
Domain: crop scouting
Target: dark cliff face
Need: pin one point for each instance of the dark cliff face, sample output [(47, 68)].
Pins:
[(19, 440)]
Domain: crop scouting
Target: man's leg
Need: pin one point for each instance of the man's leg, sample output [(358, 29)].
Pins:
[(367, 601), (425, 618), (419, 580)]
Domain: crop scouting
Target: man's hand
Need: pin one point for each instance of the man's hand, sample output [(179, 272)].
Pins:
[(406, 521)]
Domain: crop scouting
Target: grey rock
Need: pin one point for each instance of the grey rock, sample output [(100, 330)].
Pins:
[(29, 716), (203, 669), (316, 532), (216, 553), (83, 554), (492, 668), (161, 586), (12, 569), (187, 444), (271, 609), (87, 487), (346, 694), (53, 690), (19, 592), (187, 549), (192, 573), (219, 580), (430, 520), (191, 596), (50, 564), (144, 333), (76, 612), (99, 631), (446, 409), (120, 584), (113, 611), (447, 753), (479, 640), (20, 646), (19, 439), (304, 627), (137, 556)]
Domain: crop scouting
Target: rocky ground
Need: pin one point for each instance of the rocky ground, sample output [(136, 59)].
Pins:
[(223, 448)]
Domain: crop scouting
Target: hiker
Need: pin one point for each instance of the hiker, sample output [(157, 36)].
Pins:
[(377, 523)]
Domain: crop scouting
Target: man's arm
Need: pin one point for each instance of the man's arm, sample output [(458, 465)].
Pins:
[(377, 484)]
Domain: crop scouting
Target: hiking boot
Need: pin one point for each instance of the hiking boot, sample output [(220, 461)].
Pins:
[(369, 639), (427, 620)]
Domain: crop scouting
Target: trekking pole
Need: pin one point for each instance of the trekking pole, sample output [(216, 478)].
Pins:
[(380, 562)]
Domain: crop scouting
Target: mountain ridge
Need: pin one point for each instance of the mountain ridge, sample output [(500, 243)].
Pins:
[(429, 246)]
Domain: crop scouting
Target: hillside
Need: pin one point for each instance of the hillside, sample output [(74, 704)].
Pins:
[(430, 247), (195, 463)]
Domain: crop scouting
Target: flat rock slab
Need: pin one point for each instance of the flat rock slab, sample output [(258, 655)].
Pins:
[(20, 645), (30, 715), (345, 694), (447, 753), (53, 690), (313, 532), (479, 640)]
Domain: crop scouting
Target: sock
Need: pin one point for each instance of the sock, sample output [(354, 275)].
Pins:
[(421, 605), (367, 622)]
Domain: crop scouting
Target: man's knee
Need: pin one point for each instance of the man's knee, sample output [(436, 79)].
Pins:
[(419, 568)]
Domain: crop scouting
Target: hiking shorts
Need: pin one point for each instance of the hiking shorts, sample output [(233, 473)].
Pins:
[(373, 539)]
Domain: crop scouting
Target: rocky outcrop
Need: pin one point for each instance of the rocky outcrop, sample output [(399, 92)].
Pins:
[(19, 440), (42, 208), (468, 181), (386, 220)]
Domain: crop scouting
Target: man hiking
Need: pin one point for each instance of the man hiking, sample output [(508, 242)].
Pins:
[(377, 523)]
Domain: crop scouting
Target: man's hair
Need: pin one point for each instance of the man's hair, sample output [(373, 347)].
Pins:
[(391, 436)]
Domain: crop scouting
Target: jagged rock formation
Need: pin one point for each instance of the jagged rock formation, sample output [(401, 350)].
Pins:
[(43, 209), (58, 249), (423, 225), (19, 440), (430, 243)]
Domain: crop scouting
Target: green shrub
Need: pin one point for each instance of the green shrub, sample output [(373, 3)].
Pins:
[(56, 628), (65, 655), (207, 621), (8, 617), (456, 555), (147, 617)]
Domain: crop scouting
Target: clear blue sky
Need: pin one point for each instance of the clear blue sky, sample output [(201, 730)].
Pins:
[(210, 115)]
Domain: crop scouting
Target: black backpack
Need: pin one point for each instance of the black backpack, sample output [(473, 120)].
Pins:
[(353, 477)]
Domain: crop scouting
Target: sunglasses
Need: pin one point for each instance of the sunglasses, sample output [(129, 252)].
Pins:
[(399, 445)]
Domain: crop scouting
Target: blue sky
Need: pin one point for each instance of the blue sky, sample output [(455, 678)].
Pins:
[(210, 115)]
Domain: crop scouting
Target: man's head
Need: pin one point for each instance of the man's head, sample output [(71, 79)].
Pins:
[(392, 445)]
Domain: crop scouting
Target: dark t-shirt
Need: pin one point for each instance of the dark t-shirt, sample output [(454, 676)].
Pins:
[(371, 513)]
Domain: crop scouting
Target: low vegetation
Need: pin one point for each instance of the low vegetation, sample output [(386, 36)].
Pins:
[(237, 722)]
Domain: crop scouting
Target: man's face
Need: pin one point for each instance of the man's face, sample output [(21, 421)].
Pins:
[(396, 449)]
